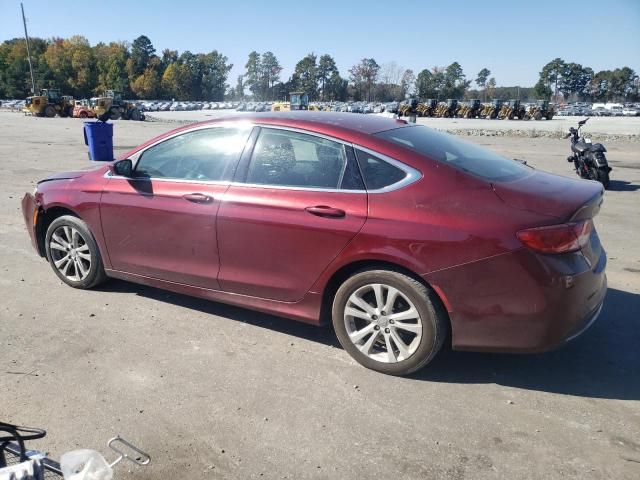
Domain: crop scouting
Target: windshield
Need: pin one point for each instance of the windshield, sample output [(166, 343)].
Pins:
[(457, 153)]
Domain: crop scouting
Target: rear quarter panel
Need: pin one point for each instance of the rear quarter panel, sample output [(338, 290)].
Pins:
[(443, 220)]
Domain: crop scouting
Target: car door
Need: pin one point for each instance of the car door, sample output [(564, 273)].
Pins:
[(161, 222), (299, 203)]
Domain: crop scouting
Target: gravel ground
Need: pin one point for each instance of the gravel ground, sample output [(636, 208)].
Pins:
[(212, 391)]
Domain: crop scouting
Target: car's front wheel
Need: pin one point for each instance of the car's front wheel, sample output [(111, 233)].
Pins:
[(388, 321), (73, 253)]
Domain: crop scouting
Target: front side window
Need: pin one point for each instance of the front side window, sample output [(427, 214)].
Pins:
[(210, 154), (292, 159)]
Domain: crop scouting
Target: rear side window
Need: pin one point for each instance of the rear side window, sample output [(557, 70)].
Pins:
[(377, 173), (462, 155), (292, 159)]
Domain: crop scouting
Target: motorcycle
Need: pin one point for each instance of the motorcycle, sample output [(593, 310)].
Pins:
[(588, 158)]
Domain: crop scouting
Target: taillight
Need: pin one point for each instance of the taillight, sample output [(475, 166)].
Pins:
[(563, 238)]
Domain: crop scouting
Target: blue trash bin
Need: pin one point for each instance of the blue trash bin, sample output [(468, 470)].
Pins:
[(99, 137)]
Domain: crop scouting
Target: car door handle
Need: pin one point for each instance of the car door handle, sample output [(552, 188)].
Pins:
[(325, 211), (197, 198)]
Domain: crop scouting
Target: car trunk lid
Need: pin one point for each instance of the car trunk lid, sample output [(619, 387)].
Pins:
[(570, 201), (552, 195)]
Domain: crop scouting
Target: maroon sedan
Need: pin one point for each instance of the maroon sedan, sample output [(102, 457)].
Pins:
[(403, 236)]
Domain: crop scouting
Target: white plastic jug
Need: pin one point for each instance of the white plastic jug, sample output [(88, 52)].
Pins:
[(85, 465)]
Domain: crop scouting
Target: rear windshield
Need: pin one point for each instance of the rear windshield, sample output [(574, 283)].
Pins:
[(457, 153)]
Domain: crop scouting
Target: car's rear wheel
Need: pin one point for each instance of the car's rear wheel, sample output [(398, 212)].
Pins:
[(73, 253), (388, 321)]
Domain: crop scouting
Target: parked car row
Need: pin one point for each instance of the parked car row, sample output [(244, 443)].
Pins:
[(12, 104), (355, 107), (166, 106), (598, 110)]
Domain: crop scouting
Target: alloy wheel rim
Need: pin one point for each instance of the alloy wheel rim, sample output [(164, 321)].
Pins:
[(70, 253), (383, 323)]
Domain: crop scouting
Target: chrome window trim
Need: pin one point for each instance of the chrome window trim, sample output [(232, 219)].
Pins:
[(109, 175), (413, 175)]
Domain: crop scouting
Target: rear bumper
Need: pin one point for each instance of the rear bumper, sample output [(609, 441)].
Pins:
[(590, 320), (30, 215), (522, 301)]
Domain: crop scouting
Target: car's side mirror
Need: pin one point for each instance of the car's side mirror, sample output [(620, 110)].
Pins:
[(122, 168)]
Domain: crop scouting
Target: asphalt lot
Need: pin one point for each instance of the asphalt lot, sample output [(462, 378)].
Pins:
[(213, 391)]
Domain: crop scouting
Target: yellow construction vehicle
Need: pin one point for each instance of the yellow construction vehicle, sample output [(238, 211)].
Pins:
[(440, 109), (111, 107), (409, 108), (49, 103), (540, 110), (472, 109), (298, 101), (405, 108), (511, 110), (428, 108), (491, 110), (448, 109)]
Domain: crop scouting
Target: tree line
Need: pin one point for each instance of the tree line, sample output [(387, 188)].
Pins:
[(137, 70), (568, 80)]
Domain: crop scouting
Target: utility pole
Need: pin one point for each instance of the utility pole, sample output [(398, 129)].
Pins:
[(26, 37)]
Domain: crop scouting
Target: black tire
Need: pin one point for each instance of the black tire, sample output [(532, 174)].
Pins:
[(433, 318), (114, 114), (83, 115), (95, 274), (135, 115), (603, 177), (49, 111), (537, 116)]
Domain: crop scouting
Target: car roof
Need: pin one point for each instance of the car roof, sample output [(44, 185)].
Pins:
[(345, 126), (317, 121)]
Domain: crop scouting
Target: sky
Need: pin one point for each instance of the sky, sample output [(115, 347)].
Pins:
[(513, 39)]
